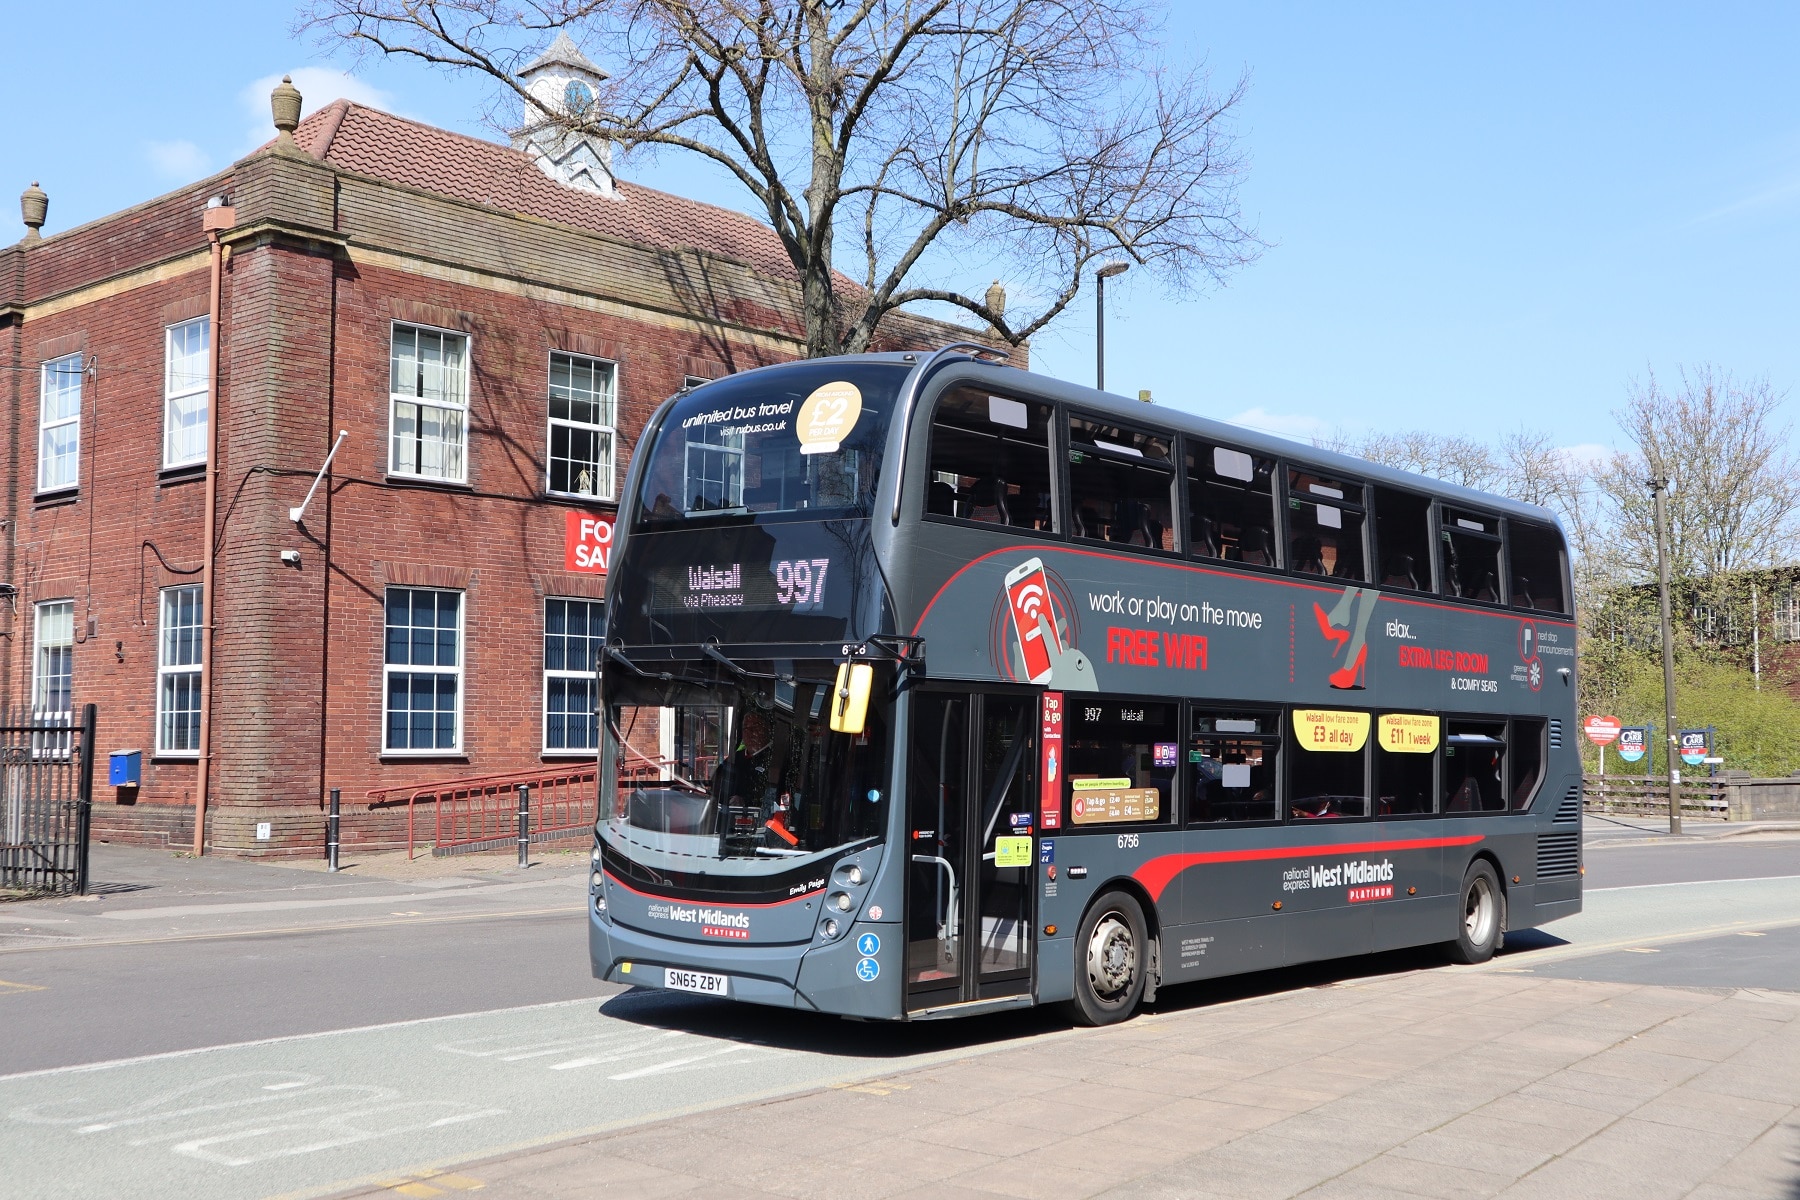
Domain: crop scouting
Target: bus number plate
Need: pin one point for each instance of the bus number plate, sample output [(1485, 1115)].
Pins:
[(694, 981)]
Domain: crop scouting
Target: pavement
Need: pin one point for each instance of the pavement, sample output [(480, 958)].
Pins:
[(353, 1046)]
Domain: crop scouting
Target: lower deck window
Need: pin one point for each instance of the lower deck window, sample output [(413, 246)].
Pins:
[(1474, 764), (1231, 756), (1327, 773), (1120, 758)]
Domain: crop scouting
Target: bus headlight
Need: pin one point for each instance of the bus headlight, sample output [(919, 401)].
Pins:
[(831, 927), (841, 901), (853, 875)]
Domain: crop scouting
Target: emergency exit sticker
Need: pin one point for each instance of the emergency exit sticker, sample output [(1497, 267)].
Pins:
[(587, 541)]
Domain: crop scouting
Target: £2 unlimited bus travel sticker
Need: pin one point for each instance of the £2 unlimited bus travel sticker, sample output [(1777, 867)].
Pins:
[(827, 417)]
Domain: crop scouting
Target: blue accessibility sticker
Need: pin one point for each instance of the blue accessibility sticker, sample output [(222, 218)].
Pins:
[(868, 945), (867, 970), (1047, 851)]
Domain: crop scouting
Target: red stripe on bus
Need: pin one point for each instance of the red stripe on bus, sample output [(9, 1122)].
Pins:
[(714, 903), (1278, 580), (1158, 873)]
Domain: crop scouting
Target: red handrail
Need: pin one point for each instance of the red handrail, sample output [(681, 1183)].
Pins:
[(484, 808)]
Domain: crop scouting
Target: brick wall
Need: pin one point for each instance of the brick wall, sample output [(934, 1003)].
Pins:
[(321, 264)]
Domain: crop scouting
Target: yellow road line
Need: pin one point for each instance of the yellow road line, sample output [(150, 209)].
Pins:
[(7, 987)]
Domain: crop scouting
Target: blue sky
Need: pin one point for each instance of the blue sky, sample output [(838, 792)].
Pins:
[(1479, 219)]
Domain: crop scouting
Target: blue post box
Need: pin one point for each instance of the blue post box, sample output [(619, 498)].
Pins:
[(125, 768)]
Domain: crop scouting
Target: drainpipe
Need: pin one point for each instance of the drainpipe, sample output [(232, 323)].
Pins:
[(219, 217)]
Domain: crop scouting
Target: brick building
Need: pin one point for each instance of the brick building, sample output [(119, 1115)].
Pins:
[(490, 326)]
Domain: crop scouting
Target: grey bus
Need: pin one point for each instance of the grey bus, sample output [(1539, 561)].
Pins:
[(934, 687)]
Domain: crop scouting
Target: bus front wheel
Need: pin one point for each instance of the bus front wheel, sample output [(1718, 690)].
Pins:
[(1481, 917), (1111, 952)]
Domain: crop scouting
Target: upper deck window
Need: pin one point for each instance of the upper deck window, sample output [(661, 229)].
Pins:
[(1403, 539), (1469, 545), (1231, 505), (1325, 526), (990, 460), (804, 439), (1121, 485), (1539, 566)]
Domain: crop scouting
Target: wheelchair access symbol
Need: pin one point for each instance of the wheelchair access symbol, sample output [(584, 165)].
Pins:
[(868, 945), (867, 970)]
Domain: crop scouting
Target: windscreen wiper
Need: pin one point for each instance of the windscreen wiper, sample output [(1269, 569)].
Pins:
[(613, 653), (712, 651)]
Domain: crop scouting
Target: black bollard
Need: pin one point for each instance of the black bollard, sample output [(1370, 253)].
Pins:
[(331, 834), (524, 824)]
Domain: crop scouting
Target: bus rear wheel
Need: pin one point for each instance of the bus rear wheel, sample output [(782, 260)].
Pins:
[(1481, 917), (1111, 952)]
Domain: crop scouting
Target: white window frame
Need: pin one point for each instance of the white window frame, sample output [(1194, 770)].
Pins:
[(456, 406), (589, 677), (59, 370), (167, 671), (606, 472), (40, 678), (176, 391), (389, 669)]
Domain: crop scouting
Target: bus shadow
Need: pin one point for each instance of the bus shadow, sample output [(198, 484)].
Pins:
[(818, 1033)]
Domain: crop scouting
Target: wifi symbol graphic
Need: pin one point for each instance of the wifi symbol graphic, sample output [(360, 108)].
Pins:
[(1031, 600)]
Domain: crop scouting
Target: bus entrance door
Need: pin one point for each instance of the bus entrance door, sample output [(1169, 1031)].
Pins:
[(971, 846)]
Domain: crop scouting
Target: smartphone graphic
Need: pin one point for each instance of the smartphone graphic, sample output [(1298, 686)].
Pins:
[(1028, 598)]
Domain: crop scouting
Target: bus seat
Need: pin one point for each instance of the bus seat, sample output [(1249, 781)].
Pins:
[(1255, 548), (1041, 517), (1489, 591), (1088, 523), (1400, 573), (1132, 524), (940, 498), (1522, 592), (1349, 562), (987, 501), (1308, 555), (1206, 539)]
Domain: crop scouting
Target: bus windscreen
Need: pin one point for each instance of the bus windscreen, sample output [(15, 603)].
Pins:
[(805, 441)]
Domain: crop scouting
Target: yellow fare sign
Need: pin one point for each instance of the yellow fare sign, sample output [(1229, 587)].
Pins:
[(1097, 801), (1409, 733), (1331, 730)]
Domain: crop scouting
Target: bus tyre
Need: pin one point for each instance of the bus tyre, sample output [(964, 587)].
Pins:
[(1111, 952), (1480, 917)]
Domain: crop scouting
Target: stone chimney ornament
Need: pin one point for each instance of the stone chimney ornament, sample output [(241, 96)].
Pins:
[(34, 206), (284, 104)]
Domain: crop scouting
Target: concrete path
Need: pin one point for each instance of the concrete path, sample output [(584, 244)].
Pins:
[(1451, 1083)]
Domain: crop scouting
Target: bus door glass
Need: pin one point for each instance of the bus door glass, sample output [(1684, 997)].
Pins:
[(971, 847)]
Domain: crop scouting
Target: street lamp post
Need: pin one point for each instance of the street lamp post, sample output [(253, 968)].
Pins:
[(1659, 488), (1107, 271)]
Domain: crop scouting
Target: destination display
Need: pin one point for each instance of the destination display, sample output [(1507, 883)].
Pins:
[(803, 581)]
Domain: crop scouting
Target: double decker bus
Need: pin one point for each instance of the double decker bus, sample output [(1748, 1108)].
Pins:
[(935, 687)]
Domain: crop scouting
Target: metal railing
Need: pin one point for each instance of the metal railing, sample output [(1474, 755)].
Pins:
[(482, 812), (46, 801), (1628, 795)]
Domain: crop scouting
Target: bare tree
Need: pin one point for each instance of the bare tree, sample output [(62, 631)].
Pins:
[(1457, 460), (1734, 495), (1034, 137)]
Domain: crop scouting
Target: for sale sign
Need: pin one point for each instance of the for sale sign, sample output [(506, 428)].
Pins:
[(587, 541), (1634, 742), (1602, 731)]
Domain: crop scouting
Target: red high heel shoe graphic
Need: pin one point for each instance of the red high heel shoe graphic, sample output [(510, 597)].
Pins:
[(1350, 678), (1337, 637)]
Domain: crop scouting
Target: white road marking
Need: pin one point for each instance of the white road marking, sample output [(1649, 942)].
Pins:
[(1641, 887)]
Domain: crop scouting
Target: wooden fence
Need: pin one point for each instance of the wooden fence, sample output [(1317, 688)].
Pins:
[(1636, 796)]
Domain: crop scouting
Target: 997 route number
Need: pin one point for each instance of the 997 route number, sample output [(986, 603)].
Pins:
[(1128, 841)]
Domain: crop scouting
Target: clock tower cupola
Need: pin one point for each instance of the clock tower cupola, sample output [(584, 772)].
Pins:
[(564, 85)]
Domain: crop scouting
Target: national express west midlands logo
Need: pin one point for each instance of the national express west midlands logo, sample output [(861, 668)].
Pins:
[(1365, 880), (713, 922)]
